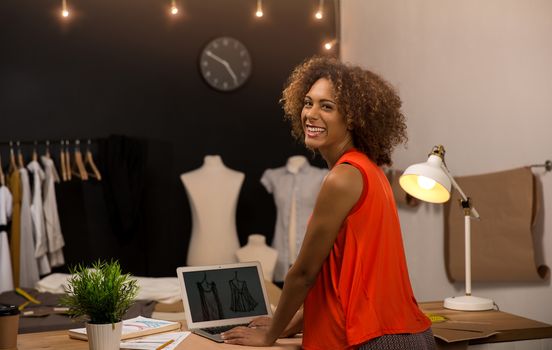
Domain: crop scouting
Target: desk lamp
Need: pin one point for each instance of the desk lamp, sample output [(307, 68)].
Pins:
[(431, 182)]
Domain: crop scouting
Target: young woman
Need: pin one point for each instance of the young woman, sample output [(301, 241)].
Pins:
[(351, 272)]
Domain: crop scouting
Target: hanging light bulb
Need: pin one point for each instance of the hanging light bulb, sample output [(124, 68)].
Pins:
[(330, 44), (259, 12), (320, 13), (64, 10), (174, 9)]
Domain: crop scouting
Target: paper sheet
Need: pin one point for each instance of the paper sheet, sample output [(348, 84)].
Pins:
[(156, 341), (503, 246)]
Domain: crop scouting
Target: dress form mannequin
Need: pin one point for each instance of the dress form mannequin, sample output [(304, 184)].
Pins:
[(213, 191), (295, 187), (257, 250), (293, 164)]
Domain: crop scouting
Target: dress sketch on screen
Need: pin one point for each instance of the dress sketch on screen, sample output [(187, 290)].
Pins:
[(241, 300), (210, 301)]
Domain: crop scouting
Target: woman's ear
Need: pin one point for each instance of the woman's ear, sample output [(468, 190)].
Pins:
[(350, 124)]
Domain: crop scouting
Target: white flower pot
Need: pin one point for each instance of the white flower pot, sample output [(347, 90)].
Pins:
[(104, 336)]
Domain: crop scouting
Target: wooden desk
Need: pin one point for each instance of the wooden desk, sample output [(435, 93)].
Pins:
[(462, 327), (59, 340)]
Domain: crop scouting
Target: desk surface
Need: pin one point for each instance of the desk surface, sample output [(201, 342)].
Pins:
[(461, 326), (59, 340), (477, 327)]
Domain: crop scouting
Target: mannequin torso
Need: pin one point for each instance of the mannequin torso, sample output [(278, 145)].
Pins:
[(213, 191), (294, 163), (295, 187), (257, 250)]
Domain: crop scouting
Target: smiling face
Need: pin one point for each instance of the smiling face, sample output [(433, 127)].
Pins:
[(324, 126)]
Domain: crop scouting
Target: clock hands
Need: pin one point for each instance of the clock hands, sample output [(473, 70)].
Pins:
[(224, 63)]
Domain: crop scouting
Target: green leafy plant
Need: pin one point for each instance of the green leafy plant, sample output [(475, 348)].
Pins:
[(101, 294)]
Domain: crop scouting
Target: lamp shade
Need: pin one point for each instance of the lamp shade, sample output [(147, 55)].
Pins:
[(427, 181)]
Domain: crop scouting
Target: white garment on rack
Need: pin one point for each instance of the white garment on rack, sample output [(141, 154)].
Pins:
[(6, 277), (37, 215), (28, 267), (51, 216)]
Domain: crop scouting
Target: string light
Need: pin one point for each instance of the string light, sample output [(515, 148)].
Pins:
[(330, 44), (320, 13), (259, 12), (64, 10), (174, 8)]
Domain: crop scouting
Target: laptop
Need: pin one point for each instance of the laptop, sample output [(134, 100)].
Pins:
[(219, 297)]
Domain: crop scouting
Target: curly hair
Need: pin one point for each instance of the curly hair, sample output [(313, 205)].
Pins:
[(370, 105)]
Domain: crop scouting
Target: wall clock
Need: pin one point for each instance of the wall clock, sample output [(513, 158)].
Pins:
[(225, 64)]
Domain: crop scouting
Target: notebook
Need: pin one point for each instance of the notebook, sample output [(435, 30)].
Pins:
[(219, 297)]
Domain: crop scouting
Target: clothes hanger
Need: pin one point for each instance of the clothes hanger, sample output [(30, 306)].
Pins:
[(62, 160), (47, 152), (13, 164), (34, 154), (20, 162), (48, 155), (67, 161), (2, 179), (89, 160), (78, 168)]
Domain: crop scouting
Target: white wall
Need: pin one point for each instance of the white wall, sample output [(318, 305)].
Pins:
[(475, 76)]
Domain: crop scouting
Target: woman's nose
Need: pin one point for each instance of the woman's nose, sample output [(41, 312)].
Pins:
[(311, 113)]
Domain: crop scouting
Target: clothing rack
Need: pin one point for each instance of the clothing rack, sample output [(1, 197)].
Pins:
[(48, 142), (547, 165), (72, 160)]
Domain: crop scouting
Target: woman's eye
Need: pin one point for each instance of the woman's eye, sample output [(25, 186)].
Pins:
[(327, 107), (307, 103)]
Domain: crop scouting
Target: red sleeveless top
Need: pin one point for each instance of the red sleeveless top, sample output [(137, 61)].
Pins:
[(363, 290)]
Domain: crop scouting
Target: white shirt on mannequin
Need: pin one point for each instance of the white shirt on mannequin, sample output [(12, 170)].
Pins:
[(295, 187), (213, 191), (257, 250), (293, 164)]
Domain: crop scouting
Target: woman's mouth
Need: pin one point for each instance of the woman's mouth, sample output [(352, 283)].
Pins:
[(313, 131)]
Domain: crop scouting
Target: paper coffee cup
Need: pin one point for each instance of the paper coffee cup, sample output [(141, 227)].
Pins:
[(9, 324)]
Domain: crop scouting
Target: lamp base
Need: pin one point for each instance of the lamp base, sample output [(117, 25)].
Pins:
[(469, 303)]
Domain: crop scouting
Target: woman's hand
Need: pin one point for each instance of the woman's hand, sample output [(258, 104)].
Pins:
[(261, 322), (248, 336)]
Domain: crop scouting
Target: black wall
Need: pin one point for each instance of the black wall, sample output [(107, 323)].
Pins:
[(127, 67)]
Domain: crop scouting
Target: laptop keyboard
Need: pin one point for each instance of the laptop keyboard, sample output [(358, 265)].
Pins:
[(218, 330)]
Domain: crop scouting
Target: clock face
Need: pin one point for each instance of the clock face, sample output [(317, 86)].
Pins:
[(225, 64)]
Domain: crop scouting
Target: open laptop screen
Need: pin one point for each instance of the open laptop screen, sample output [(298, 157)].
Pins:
[(226, 293)]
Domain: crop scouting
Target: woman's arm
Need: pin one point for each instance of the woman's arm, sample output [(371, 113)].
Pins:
[(295, 325), (339, 192)]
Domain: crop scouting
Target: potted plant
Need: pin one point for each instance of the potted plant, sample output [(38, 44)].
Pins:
[(100, 296)]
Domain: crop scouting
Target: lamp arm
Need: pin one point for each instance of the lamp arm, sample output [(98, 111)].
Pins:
[(455, 184)]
